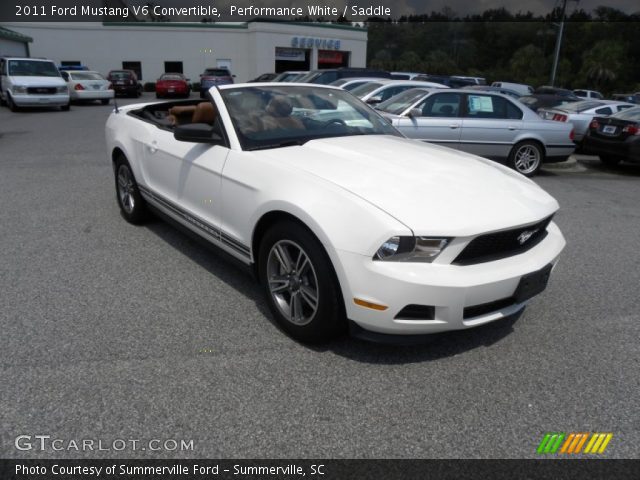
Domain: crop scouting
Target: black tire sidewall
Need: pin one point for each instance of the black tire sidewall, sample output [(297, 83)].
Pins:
[(329, 320), (516, 147), (610, 161), (139, 213)]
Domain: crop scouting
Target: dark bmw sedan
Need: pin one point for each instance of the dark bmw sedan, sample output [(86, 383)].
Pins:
[(615, 138)]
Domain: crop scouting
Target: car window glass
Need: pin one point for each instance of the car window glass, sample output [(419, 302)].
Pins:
[(604, 111), (31, 68), (441, 105), (86, 76), (392, 91), (489, 106)]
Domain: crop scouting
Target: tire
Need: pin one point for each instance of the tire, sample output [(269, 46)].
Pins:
[(526, 158), (66, 108), (158, 95), (11, 104), (104, 101), (131, 203), (610, 161), (314, 288)]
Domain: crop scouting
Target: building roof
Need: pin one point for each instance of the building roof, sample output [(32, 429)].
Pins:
[(11, 35)]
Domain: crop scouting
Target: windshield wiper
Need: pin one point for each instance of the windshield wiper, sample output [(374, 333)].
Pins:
[(288, 143)]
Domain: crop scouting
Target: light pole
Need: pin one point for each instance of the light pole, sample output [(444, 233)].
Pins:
[(556, 55)]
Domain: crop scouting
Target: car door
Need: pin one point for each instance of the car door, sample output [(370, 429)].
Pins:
[(436, 120), (186, 177), (490, 125)]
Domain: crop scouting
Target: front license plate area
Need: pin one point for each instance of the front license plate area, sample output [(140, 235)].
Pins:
[(532, 284)]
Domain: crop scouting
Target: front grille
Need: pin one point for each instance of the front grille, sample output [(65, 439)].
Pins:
[(485, 308), (41, 90), (497, 245)]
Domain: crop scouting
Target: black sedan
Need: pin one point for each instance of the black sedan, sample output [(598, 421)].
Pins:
[(615, 138)]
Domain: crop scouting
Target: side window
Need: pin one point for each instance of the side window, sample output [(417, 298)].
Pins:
[(65, 75), (580, 93), (441, 105), (604, 111), (513, 112), (489, 106), (2, 66)]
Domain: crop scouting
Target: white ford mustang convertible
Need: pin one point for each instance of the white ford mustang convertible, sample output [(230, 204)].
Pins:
[(347, 224)]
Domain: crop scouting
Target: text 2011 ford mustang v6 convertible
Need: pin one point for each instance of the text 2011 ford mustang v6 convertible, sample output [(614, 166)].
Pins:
[(346, 222)]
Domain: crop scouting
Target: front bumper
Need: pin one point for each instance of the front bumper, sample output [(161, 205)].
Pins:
[(450, 289), (57, 100), (92, 94)]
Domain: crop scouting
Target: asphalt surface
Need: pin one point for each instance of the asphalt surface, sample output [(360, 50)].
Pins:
[(111, 331)]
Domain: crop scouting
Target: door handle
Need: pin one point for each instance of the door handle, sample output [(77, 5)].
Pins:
[(510, 127), (454, 125)]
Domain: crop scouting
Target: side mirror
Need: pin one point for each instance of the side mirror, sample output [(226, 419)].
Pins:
[(197, 132), (374, 100), (233, 76), (415, 112)]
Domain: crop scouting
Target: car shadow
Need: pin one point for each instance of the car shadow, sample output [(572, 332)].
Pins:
[(624, 168), (432, 347)]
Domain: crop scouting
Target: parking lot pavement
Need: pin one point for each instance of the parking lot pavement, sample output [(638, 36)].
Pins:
[(111, 331)]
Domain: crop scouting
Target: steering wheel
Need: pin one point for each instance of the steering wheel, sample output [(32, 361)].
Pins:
[(333, 121)]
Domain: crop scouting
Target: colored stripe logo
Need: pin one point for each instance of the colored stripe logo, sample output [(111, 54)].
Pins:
[(572, 443)]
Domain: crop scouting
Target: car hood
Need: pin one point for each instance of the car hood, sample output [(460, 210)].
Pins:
[(432, 190), (39, 81)]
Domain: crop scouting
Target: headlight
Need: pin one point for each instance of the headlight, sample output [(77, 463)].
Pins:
[(411, 249), (63, 89), (19, 89)]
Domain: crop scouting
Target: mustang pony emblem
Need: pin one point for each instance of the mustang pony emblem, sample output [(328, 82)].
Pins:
[(526, 235)]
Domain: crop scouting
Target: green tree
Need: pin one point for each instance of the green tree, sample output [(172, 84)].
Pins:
[(528, 65), (603, 64)]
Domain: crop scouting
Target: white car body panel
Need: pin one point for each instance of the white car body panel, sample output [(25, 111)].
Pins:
[(353, 193)]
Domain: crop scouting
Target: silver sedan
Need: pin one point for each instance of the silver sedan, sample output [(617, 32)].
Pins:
[(487, 124), (580, 114)]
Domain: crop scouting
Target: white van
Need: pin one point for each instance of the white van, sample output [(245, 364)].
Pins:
[(32, 82), (516, 87)]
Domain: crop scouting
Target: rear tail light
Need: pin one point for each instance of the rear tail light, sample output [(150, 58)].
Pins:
[(631, 130), (571, 135), (594, 125), (78, 87), (558, 117)]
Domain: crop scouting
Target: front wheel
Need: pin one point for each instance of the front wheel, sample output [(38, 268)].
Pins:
[(526, 158), (66, 108), (131, 203), (300, 284), (11, 104), (104, 101)]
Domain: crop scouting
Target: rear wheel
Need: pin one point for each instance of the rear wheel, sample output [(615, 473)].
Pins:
[(300, 284), (131, 203), (609, 160), (526, 158), (104, 101), (66, 108)]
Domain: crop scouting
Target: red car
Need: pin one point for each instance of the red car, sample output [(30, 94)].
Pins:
[(172, 85)]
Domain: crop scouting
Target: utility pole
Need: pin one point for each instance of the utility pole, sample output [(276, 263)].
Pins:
[(556, 55)]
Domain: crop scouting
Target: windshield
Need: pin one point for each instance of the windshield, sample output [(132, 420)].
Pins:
[(629, 114), (32, 68), (171, 77), (120, 75), (399, 103), (86, 76), (362, 90), (219, 72), (277, 116)]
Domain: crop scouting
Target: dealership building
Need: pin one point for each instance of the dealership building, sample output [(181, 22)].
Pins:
[(247, 49)]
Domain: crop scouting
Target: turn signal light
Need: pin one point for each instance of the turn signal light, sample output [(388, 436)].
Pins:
[(78, 87), (558, 117), (594, 125), (572, 135)]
